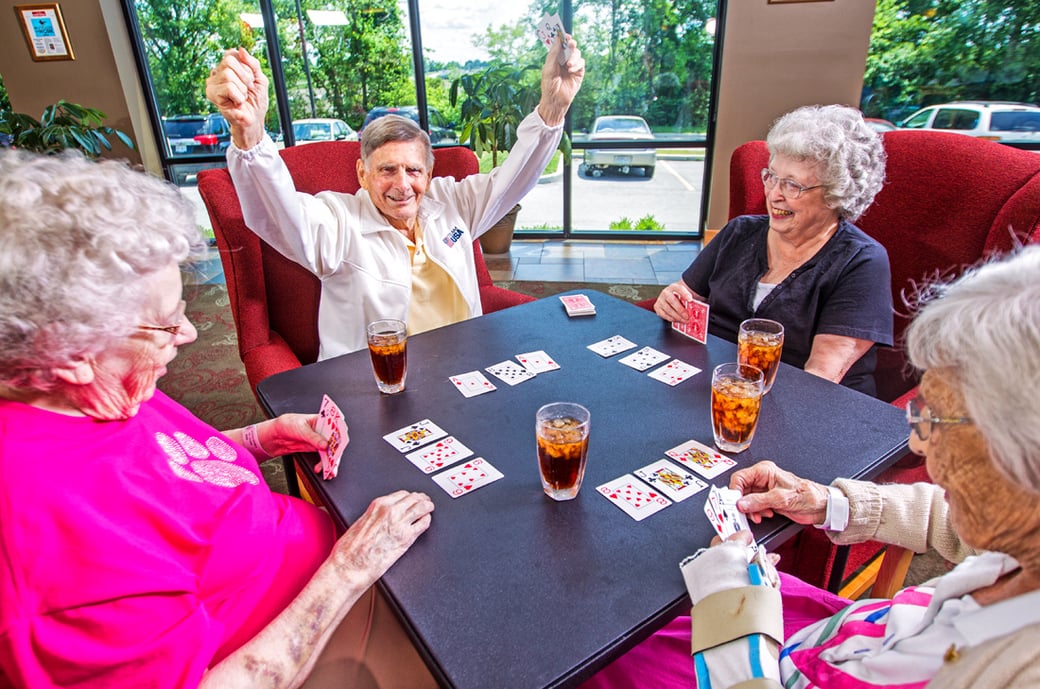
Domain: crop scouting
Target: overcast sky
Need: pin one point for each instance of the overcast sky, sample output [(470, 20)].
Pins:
[(448, 26)]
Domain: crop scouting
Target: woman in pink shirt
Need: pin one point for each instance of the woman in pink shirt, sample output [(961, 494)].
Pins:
[(138, 545)]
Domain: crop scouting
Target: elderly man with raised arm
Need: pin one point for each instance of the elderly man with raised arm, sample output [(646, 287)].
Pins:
[(401, 247)]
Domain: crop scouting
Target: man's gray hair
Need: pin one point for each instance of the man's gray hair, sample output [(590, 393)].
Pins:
[(77, 239), (389, 128), (849, 155), (984, 328)]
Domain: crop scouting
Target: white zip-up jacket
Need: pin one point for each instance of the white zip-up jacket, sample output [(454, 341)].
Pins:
[(362, 261)]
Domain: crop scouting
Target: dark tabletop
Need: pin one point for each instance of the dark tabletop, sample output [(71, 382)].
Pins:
[(509, 588)]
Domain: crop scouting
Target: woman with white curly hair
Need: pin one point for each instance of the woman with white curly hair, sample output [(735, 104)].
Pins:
[(804, 263), (138, 545)]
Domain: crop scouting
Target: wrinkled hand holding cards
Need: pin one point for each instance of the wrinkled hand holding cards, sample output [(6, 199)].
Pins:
[(333, 427)]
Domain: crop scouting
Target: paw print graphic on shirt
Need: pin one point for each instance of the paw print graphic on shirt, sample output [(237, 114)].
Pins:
[(212, 462)]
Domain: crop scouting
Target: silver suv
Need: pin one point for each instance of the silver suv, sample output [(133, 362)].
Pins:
[(993, 120)]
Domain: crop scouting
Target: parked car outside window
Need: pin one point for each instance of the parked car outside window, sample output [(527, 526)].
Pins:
[(621, 160), (879, 125), (196, 134), (322, 129), (441, 131), (1006, 122)]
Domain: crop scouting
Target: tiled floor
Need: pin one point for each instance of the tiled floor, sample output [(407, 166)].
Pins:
[(553, 260)]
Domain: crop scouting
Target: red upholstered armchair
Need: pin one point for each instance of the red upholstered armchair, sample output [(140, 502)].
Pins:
[(274, 301), (948, 201)]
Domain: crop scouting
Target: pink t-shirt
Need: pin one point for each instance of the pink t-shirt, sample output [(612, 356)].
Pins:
[(138, 553)]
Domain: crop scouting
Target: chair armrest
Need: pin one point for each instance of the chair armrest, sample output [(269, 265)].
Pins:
[(497, 298), (893, 571), (268, 359)]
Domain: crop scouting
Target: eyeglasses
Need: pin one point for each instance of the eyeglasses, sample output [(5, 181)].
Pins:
[(922, 425), (172, 329), (789, 187)]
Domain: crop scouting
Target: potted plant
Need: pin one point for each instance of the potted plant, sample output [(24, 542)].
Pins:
[(492, 103), (63, 125)]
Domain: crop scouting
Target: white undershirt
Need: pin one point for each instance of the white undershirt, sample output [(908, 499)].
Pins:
[(761, 290)]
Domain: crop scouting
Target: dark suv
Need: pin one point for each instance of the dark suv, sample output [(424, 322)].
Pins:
[(194, 134), (441, 131)]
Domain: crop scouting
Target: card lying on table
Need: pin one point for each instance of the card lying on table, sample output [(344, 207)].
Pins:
[(510, 372), (674, 372), (472, 383), (702, 459), (537, 362), (414, 435), (611, 346), (439, 454), (675, 482), (633, 497), (467, 477), (645, 358)]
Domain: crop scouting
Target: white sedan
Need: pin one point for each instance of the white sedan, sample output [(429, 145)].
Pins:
[(322, 129), (623, 160)]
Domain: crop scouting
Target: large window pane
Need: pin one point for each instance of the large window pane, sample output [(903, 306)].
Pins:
[(653, 62)]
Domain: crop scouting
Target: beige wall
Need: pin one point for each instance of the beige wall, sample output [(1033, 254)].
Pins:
[(776, 58), (98, 35)]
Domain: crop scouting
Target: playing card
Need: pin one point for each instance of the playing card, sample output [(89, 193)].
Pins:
[(721, 510), (472, 383), (549, 28), (439, 454), (537, 362), (703, 460), (635, 498), (467, 477), (696, 327), (675, 482), (414, 435), (578, 305), (332, 426), (510, 372), (645, 358), (611, 346), (674, 372)]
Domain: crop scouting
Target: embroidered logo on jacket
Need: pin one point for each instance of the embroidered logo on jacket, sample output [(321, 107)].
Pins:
[(453, 236)]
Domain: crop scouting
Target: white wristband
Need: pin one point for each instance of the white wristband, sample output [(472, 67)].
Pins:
[(251, 441), (837, 518)]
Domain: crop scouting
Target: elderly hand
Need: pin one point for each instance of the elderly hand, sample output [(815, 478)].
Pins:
[(238, 87), (381, 535), (560, 83), (768, 489), (671, 303), (290, 433)]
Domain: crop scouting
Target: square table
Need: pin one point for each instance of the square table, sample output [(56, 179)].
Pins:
[(508, 588)]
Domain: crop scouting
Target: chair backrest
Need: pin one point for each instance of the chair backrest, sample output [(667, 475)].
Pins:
[(948, 201), (271, 295)]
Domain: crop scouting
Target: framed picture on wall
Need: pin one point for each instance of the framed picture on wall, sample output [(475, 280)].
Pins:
[(45, 32)]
